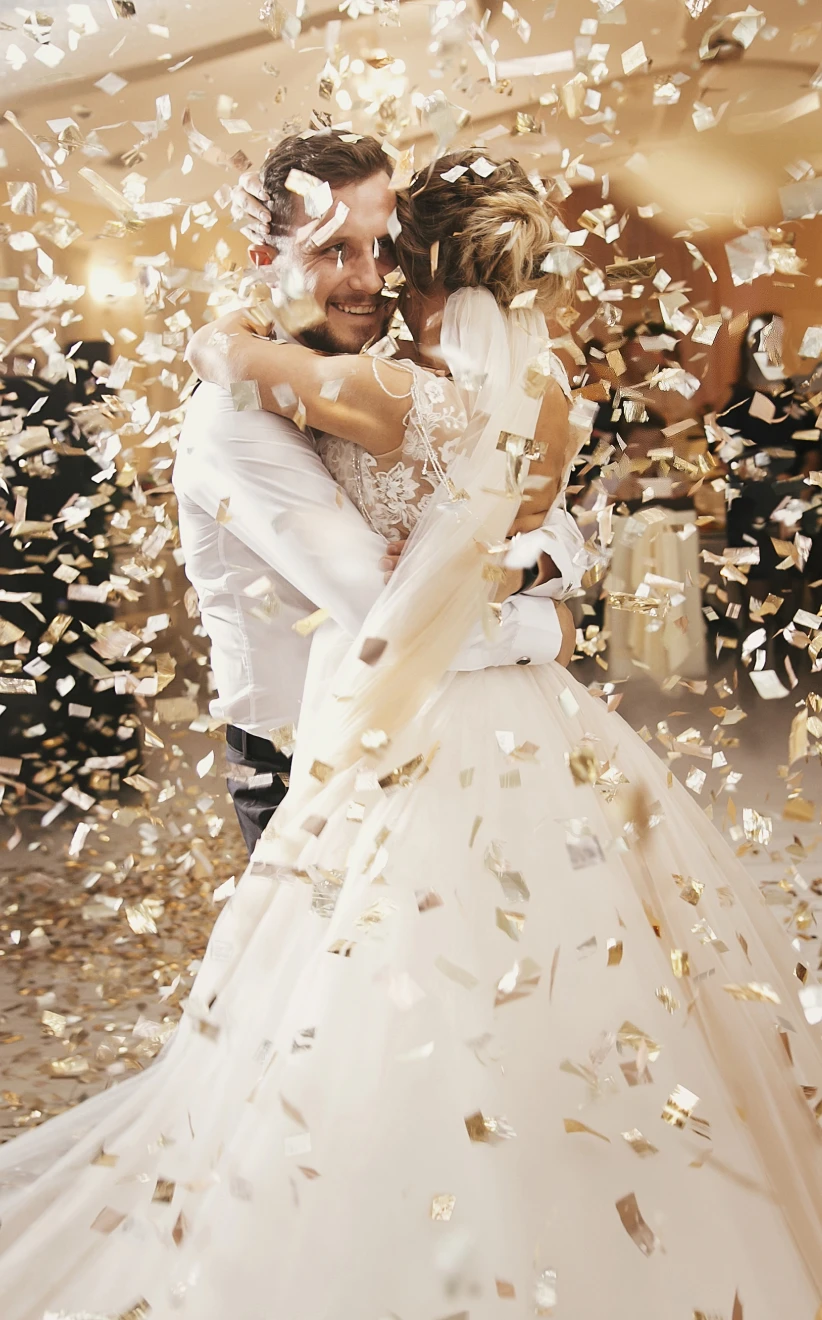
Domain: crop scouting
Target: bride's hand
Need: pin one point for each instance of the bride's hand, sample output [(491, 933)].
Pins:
[(211, 349), (391, 558), (250, 211)]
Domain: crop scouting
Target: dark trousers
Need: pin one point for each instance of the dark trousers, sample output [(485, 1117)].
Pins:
[(260, 783)]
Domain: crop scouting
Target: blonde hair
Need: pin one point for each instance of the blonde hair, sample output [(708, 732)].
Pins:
[(493, 232)]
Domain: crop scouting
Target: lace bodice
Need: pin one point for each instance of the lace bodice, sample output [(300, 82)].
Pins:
[(392, 490)]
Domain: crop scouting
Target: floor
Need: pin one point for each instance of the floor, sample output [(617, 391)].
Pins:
[(100, 937)]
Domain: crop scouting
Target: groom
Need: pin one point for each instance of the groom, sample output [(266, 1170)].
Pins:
[(272, 545)]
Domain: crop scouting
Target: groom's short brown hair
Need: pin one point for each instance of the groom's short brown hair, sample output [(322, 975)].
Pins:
[(335, 157)]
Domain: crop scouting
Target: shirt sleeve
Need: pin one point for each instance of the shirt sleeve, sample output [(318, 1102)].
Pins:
[(560, 537), (261, 477), (529, 633)]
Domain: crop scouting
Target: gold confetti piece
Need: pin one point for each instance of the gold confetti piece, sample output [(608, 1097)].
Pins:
[(9, 632), (511, 923), (754, 992), (545, 1293), (583, 765), (522, 979), (568, 703), (105, 1160), (164, 1191), (292, 1112), (107, 1220), (73, 1066), (141, 917), (635, 1226), (526, 751), (54, 1022), (480, 1127), (180, 1229), (428, 899), (631, 270), (690, 890), (310, 623), (344, 948), (797, 809), (442, 1206), (403, 171), (574, 1125), (767, 684), (679, 1106), (322, 772), (474, 830), (634, 1075), (667, 999), (308, 1172), (583, 847), (455, 973), (552, 978), (402, 775), (633, 1037), (283, 738), (10, 687), (245, 395), (680, 963), (374, 740), (374, 915), (141, 1310), (505, 1289), (639, 1144), (372, 649), (614, 949)]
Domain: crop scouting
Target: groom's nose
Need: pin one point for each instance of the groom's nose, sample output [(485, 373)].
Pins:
[(365, 276)]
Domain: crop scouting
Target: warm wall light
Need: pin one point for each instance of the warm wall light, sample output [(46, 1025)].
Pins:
[(105, 284)]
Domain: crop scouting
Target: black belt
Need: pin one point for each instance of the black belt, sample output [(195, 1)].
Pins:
[(252, 747)]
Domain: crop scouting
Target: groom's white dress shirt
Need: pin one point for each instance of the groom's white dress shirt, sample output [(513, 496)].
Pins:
[(269, 537)]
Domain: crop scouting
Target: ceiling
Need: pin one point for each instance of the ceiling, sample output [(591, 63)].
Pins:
[(224, 66)]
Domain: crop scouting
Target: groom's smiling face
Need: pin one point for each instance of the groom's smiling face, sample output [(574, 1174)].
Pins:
[(346, 274)]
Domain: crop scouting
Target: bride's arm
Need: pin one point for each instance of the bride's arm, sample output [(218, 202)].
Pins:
[(355, 397)]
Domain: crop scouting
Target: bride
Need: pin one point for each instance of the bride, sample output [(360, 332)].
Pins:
[(495, 1024)]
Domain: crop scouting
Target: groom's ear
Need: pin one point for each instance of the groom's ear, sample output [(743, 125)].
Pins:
[(260, 255)]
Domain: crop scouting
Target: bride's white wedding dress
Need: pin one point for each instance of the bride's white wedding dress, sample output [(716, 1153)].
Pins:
[(514, 1034)]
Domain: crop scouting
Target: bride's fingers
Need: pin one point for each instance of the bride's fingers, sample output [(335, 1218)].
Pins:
[(252, 183), (391, 557)]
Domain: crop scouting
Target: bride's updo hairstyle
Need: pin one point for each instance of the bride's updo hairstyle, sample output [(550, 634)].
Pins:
[(493, 232)]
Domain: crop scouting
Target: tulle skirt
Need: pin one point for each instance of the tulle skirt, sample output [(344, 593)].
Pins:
[(517, 1036)]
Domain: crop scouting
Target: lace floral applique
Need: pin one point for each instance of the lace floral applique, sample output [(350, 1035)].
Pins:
[(390, 492)]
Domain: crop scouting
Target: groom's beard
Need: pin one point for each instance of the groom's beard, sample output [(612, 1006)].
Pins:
[(323, 340)]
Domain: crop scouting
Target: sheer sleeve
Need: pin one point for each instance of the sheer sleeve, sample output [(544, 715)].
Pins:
[(435, 423)]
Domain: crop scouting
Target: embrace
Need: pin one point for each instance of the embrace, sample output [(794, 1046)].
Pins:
[(495, 1023)]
